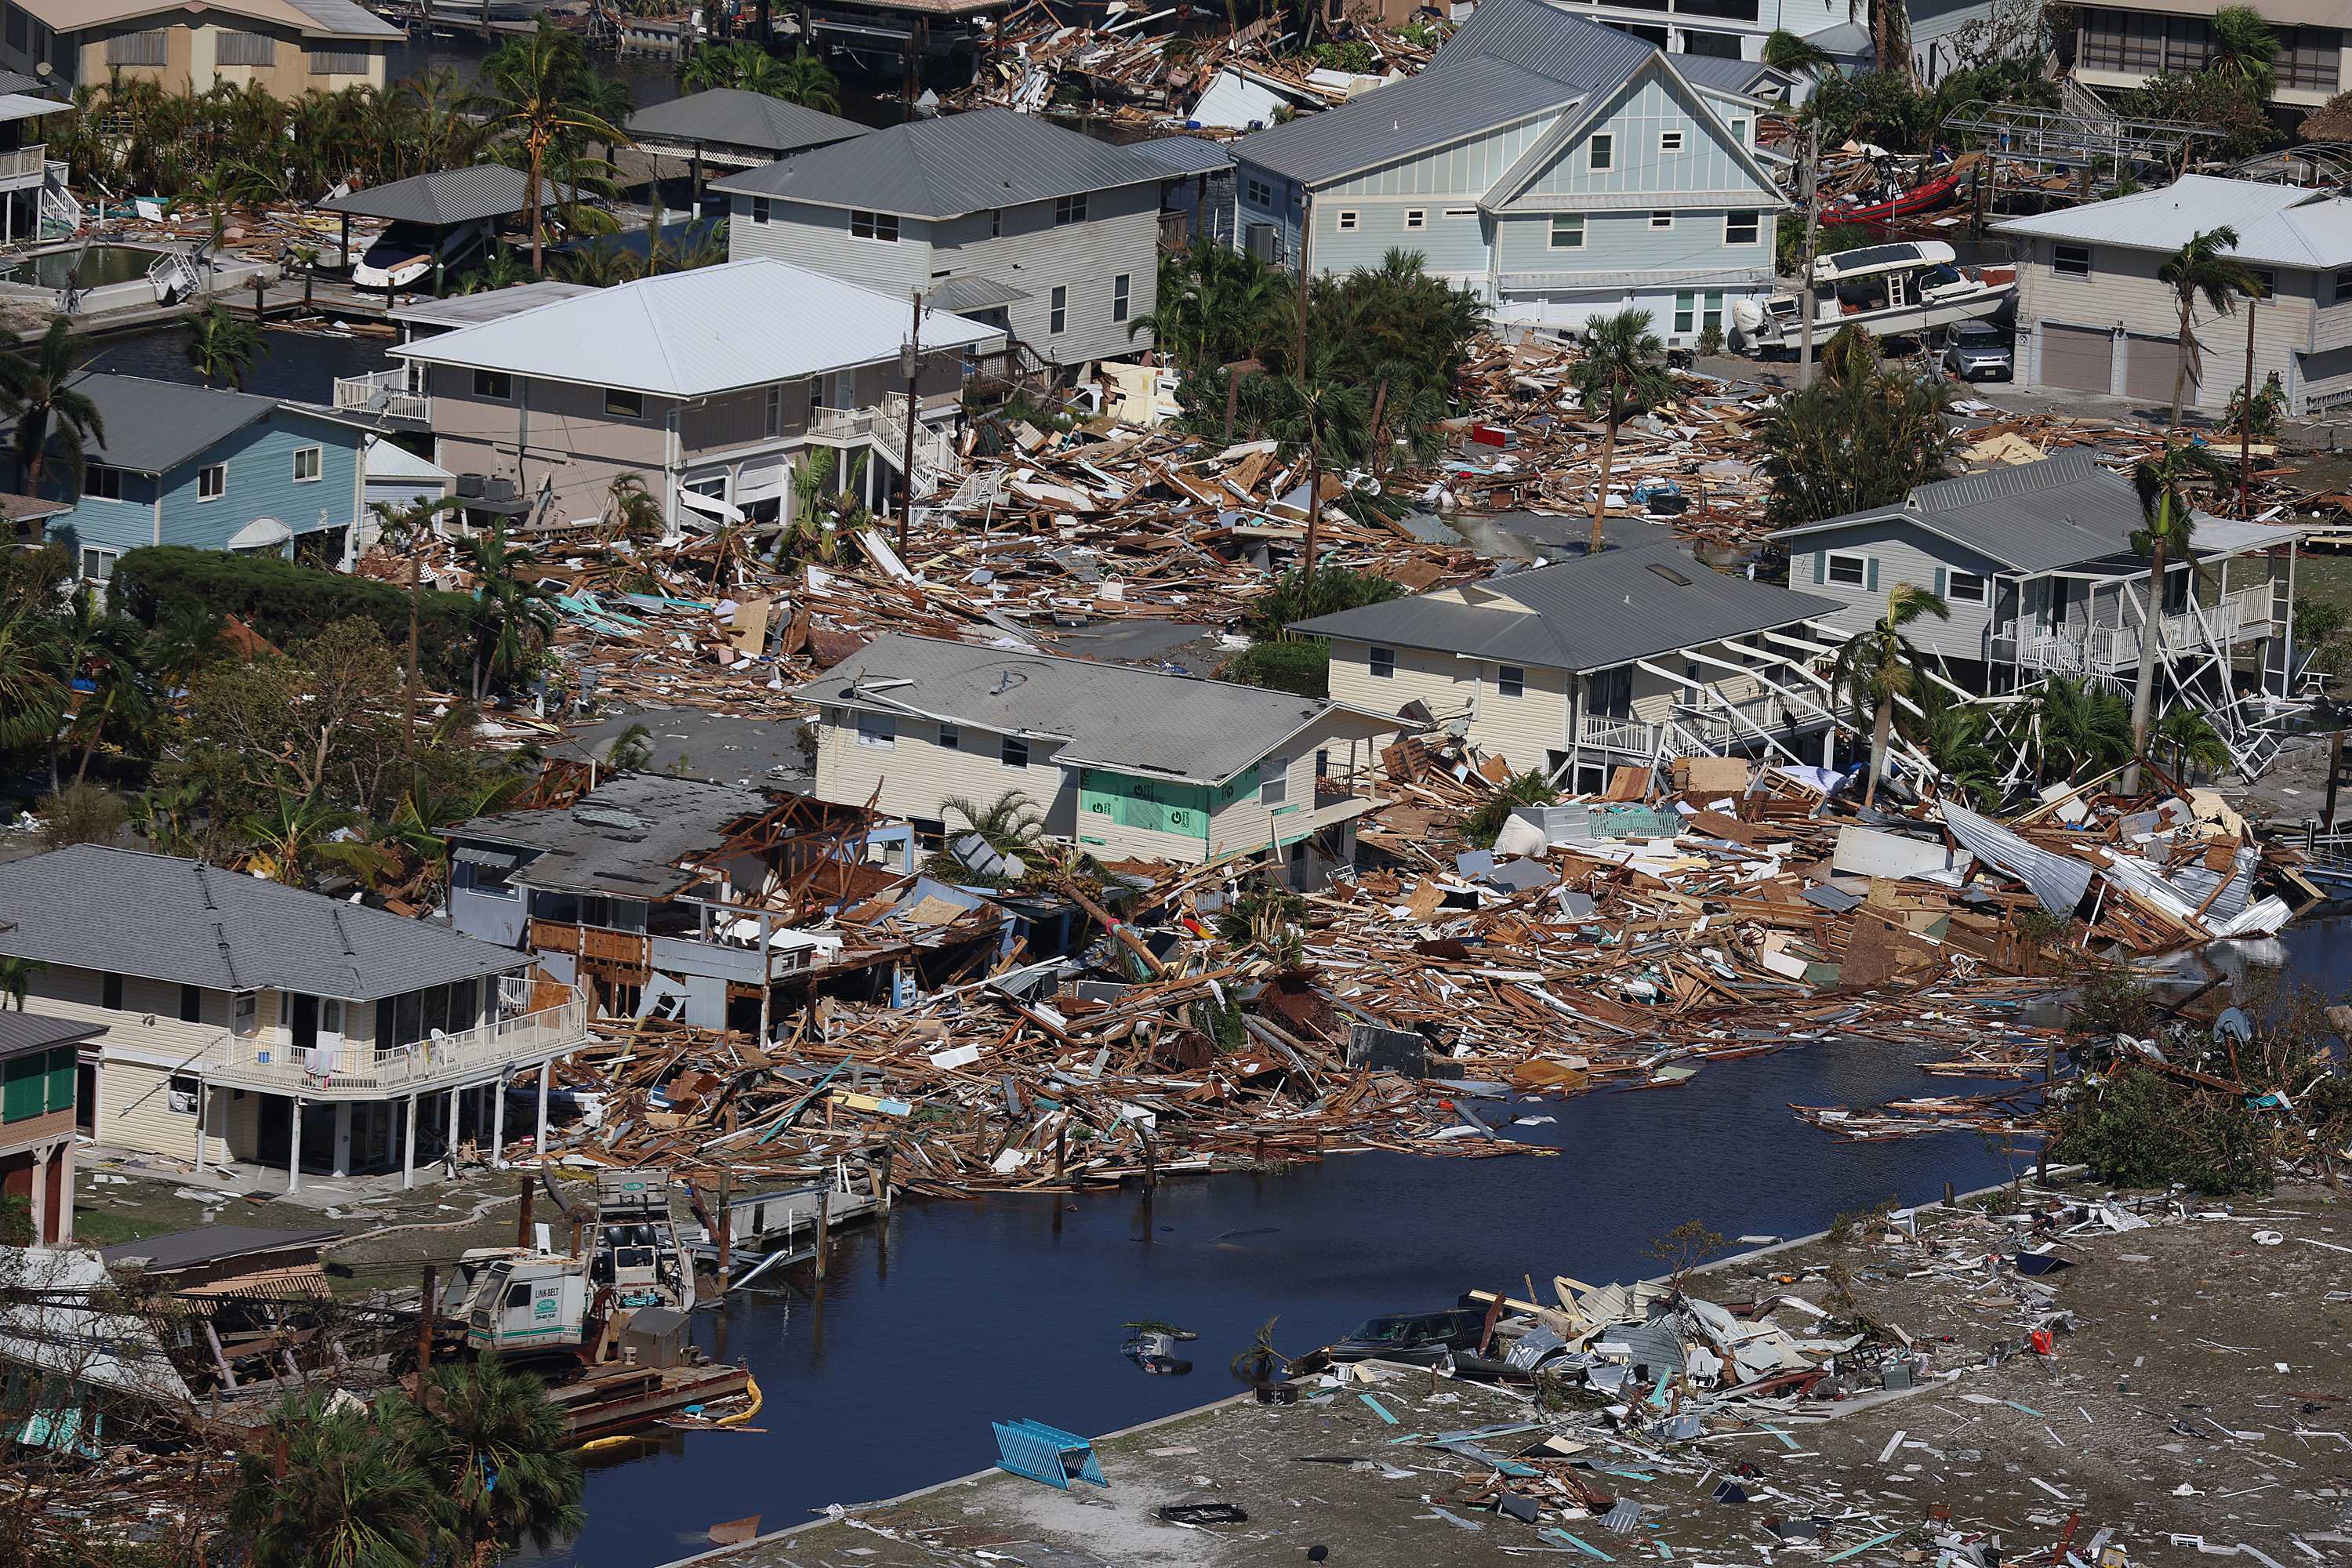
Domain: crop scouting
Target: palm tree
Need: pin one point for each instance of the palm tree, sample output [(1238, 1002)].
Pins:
[(2244, 52), (601, 264), (286, 836), (2083, 727), (1786, 51), (32, 693), (1215, 305), (119, 702), (500, 268), (1878, 666), (16, 980), (333, 1488), (2163, 537), (632, 512), (1955, 736), (1011, 825), (500, 1455), (2193, 744), (510, 613), (805, 80), (532, 87), (2202, 267), (631, 749), (1623, 366), (224, 346), (1890, 33), (745, 66), (36, 385), (419, 825), (1319, 411)]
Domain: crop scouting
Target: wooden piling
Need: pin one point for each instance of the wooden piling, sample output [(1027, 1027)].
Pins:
[(725, 1223), (523, 1212), (823, 1227), (426, 1316)]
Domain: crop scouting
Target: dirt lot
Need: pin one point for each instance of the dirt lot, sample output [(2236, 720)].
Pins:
[(2199, 1409)]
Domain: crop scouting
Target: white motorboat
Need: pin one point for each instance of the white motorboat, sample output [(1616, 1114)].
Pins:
[(1889, 290)]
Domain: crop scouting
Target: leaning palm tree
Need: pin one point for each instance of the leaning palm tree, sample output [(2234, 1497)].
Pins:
[(2163, 538), (334, 1489), (498, 1451), (2203, 267), (1624, 368), (1880, 665), (223, 346), (38, 386), (531, 88), (32, 690)]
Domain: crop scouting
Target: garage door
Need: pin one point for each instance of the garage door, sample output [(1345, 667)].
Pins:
[(2075, 357), (2150, 368)]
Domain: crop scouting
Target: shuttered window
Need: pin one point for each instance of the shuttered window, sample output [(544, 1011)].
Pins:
[(338, 62), (246, 49), (64, 1067), (23, 1086), (151, 48)]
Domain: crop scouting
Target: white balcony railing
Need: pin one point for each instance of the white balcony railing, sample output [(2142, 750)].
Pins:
[(2096, 650), (1707, 724), (385, 392), (354, 1071), (23, 166), (841, 424)]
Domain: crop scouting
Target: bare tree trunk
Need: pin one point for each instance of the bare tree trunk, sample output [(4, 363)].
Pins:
[(2180, 373), (2144, 693), (538, 218), (1601, 492), (1880, 728)]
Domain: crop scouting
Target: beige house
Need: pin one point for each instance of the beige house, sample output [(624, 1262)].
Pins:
[(1123, 762), (708, 385), (288, 47), (1596, 662), (2119, 46), (2092, 315), (247, 1024)]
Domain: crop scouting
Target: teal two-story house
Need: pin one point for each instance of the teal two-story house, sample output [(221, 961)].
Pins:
[(1559, 168), (215, 469)]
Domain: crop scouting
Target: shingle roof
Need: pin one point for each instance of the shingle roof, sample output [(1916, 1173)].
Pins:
[(92, 907), (448, 196), (153, 425), (955, 165), (1589, 613), (1117, 715), (705, 331), (1403, 118), (625, 836), (2030, 517), (211, 1244), (2277, 225), (731, 116), (22, 1032)]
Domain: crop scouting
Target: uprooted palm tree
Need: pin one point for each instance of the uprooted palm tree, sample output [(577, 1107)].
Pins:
[(2202, 269), (2163, 537), (1880, 667), (1624, 368)]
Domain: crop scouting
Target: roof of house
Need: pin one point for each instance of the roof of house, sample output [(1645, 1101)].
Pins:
[(315, 19), (444, 198), (1589, 613), (22, 1032), (31, 509), (1547, 41), (735, 117), (28, 106), (489, 304), (1720, 75), (954, 164), (151, 426), (1404, 117), (703, 331), (385, 461), (210, 1244), (1182, 155), (1116, 716), (47, 1321), (2283, 225), (625, 836), (91, 906)]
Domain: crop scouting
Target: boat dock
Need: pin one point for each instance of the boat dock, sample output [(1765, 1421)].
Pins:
[(614, 1400), (784, 1227)]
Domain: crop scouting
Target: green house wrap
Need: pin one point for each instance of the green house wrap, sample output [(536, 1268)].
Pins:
[(1156, 805)]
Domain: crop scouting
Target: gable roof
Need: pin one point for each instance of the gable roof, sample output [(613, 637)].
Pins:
[(1403, 118), (736, 118), (1118, 716), (625, 836), (152, 426), (954, 164), (1588, 613), (1544, 39), (703, 331), (2029, 516), (2277, 225), (94, 907), (315, 19), (444, 197), (22, 1032)]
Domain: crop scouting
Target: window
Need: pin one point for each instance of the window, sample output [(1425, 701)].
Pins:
[(180, 1094), (1323, 762), (1348, 220), (761, 209), (1739, 132), (1015, 753), (882, 227), (1670, 141), (1258, 194), (1966, 588), (1741, 228), (192, 1003), (877, 730), (1416, 217), (245, 1014), (1568, 231), (1461, 212), (1662, 220), (2071, 260), (1383, 663), (950, 738), (151, 48), (1273, 780), (109, 993), (2265, 282), (995, 223), (2343, 287), (624, 405), (338, 62), (1058, 320), (1121, 296), (310, 464), (494, 384), (1601, 153), (212, 481), (1710, 316), (1070, 209), (772, 412), (1511, 680), (97, 565), (1686, 312), (1851, 571), (245, 49), (100, 482), (2309, 59)]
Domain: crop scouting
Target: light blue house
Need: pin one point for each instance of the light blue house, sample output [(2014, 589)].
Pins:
[(1558, 168), (215, 469)]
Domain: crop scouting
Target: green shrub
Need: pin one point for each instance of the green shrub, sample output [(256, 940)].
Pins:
[(289, 605), (2140, 1129), (1303, 668)]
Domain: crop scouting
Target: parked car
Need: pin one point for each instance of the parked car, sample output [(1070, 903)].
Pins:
[(1980, 350), (1422, 1338)]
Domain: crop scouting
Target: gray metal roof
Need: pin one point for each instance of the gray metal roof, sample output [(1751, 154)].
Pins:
[(1403, 118), (752, 121), (93, 906), (1743, 77), (22, 1032), (489, 305), (346, 20), (1115, 715), (625, 837), (151, 426), (1546, 39), (449, 196), (2276, 223), (2064, 510), (955, 165), (1589, 613), (1185, 154), (211, 1244), (973, 292)]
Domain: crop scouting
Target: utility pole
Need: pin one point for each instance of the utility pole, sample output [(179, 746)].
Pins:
[(427, 1313), (2246, 419), (1810, 184), (907, 461), (1314, 435), (408, 692)]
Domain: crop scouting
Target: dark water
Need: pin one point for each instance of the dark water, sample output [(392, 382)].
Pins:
[(301, 366), (650, 80)]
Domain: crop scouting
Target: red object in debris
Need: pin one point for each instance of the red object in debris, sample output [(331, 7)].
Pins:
[(1919, 198), (1490, 436), (2040, 1342)]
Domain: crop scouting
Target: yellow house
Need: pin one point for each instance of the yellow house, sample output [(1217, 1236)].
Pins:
[(288, 47)]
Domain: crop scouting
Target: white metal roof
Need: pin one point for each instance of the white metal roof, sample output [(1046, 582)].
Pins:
[(386, 461), (703, 331), (2277, 225), (26, 106)]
